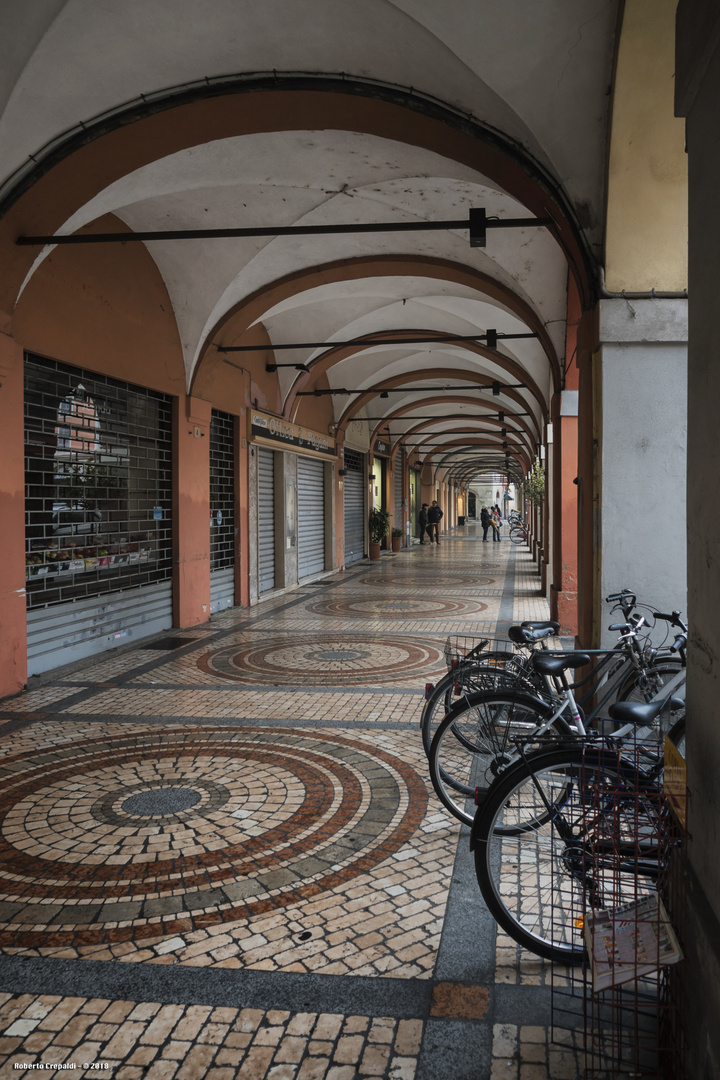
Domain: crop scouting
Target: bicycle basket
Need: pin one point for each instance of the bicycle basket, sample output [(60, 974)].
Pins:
[(463, 649)]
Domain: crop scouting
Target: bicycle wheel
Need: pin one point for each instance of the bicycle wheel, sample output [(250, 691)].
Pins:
[(644, 686), (493, 670), (474, 744), (546, 847), (518, 536)]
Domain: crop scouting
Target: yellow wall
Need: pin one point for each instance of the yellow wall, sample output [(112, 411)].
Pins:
[(646, 227)]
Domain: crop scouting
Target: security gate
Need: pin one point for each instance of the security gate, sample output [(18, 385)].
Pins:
[(354, 506), (266, 520), (398, 522), (311, 517), (222, 510), (415, 504), (98, 513)]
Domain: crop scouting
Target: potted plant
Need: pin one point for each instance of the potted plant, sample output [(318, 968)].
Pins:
[(534, 486), (379, 528), (397, 538)]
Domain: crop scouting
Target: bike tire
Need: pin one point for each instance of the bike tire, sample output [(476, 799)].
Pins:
[(473, 744), (492, 670), (535, 868), (518, 536)]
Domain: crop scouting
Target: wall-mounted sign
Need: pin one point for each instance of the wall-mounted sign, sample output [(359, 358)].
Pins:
[(382, 448), (281, 434)]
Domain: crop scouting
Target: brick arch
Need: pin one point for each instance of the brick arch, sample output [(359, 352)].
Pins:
[(242, 317), (85, 162), (400, 441), (451, 431), (398, 381)]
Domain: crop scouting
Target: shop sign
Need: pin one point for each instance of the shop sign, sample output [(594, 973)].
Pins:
[(281, 434)]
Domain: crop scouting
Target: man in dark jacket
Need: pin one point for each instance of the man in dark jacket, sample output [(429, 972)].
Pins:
[(485, 522), (423, 523), (435, 516)]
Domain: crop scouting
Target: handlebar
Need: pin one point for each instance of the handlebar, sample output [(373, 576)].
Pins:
[(674, 619), (630, 627), (622, 595)]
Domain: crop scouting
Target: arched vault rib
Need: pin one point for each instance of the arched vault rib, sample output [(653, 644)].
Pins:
[(230, 328), (458, 446), (451, 441), (517, 455), (322, 364), (452, 374), (405, 410), (87, 161)]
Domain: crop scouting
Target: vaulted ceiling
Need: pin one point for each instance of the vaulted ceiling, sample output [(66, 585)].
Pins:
[(235, 113)]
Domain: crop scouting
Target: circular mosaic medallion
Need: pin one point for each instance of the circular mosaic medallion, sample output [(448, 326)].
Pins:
[(137, 836), (324, 660), (400, 608)]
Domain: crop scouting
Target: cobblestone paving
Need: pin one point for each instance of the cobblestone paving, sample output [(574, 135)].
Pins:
[(224, 859)]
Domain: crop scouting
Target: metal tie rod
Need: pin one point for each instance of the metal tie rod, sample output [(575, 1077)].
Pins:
[(494, 335), (476, 223)]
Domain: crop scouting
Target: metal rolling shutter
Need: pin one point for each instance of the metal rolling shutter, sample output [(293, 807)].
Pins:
[(311, 517), (222, 511), (266, 520), (98, 461), (354, 507), (398, 522)]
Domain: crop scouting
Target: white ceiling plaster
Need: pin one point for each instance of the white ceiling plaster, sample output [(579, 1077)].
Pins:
[(537, 72), (95, 56), (257, 185)]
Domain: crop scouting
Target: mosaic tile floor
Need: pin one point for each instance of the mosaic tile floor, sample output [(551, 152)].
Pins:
[(224, 859)]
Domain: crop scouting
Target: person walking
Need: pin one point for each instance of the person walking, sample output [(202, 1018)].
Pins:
[(435, 516), (485, 522), (423, 523)]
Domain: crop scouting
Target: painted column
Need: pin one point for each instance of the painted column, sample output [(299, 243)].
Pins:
[(191, 512), (563, 591), (13, 619), (643, 398), (564, 417)]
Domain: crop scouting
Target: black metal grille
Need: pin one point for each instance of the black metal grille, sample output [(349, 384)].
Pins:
[(353, 462), (222, 490), (98, 484)]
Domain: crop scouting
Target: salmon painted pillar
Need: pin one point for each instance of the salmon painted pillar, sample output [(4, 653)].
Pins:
[(191, 515), (13, 618), (564, 414)]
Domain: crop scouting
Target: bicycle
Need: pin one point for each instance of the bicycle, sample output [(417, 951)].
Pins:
[(475, 742), (480, 668), (474, 667), (519, 534), (556, 828)]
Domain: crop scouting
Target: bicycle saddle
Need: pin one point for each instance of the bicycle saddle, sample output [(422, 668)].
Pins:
[(538, 624), (642, 712), (553, 665), (527, 635)]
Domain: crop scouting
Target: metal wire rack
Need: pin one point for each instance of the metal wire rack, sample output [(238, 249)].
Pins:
[(629, 905)]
